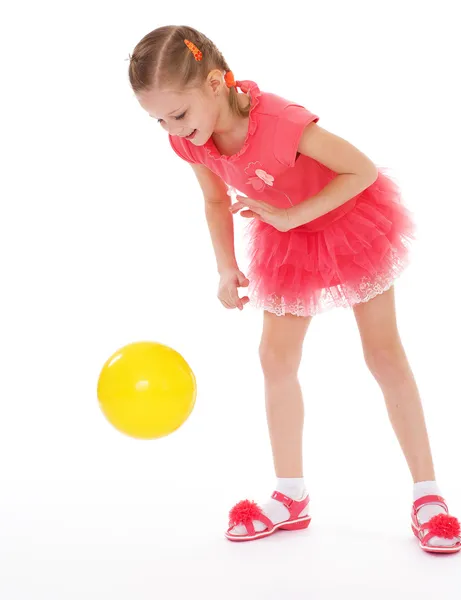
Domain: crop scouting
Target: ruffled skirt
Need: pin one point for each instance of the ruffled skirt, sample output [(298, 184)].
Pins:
[(348, 256)]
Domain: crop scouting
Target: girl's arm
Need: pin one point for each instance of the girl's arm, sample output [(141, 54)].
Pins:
[(355, 172), (219, 219)]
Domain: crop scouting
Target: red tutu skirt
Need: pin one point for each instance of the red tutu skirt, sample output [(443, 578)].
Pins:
[(347, 256)]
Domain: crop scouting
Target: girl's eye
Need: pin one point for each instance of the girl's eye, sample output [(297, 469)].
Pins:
[(178, 118)]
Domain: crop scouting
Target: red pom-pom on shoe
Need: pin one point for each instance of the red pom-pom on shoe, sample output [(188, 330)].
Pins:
[(244, 512), (444, 526)]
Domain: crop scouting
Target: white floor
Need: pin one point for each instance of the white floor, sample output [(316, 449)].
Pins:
[(77, 541)]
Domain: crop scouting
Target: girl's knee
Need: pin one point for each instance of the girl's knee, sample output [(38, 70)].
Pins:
[(386, 362), (278, 362)]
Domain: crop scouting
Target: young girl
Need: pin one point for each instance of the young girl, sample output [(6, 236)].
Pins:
[(326, 229)]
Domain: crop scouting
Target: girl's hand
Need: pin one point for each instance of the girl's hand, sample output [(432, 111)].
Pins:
[(230, 281), (256, 209)]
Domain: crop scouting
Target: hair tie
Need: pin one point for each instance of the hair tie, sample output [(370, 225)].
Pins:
[(229, 79), (195, 51)]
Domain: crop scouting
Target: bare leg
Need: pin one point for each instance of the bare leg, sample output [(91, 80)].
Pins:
[(386, 359), (280, 353)]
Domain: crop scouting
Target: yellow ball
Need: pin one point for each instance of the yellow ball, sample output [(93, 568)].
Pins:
[(146, 390)]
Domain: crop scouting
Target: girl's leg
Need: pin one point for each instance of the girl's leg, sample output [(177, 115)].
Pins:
[(386, 359), (280, 352)]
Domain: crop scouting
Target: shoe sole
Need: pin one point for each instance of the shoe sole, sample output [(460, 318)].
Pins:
[(436, 549), (295, 525)]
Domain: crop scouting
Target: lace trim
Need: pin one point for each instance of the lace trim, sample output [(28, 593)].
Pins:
[(254, 93), (341, 296)]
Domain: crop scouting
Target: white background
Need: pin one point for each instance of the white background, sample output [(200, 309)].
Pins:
[(104, 242)]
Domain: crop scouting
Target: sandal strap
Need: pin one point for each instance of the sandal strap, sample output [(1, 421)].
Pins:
[(249, 527), (295, 507), (428, 536), (267, 522), (248, 523), (424, 527), (430, 499), (262, 518)]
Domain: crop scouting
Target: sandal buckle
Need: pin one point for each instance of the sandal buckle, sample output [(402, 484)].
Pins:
[(286, 501)]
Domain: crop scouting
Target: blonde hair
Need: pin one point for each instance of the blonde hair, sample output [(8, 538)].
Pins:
[(162, 58)]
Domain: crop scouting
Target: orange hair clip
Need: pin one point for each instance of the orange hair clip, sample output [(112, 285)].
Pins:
[(195, 51), (229, 79)]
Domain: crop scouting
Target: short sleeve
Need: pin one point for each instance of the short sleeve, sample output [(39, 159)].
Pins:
[(182, 148), (288, 131)]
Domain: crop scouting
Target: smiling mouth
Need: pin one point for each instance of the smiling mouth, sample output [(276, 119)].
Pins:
[(190, 136)]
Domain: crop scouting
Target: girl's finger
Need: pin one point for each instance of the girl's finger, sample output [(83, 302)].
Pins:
[(225, 303), (255, 206), (253, 203), (255, 209), (249, 214), (236, 299), (236, 207)]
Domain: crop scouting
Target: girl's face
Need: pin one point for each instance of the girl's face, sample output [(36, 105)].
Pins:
[(191, 113)]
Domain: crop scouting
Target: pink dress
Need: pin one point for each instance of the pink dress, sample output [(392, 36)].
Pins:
[(344, 257)]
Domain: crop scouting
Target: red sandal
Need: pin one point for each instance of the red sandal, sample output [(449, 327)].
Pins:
[(245, 512), (442, 526)]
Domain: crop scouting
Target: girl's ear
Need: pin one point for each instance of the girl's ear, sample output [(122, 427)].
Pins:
[(215, 79)]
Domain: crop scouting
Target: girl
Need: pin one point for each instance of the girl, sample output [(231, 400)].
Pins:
[(326, 229)]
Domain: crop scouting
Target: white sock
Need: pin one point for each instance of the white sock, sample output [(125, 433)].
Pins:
[(430, 488), (275, 510)]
